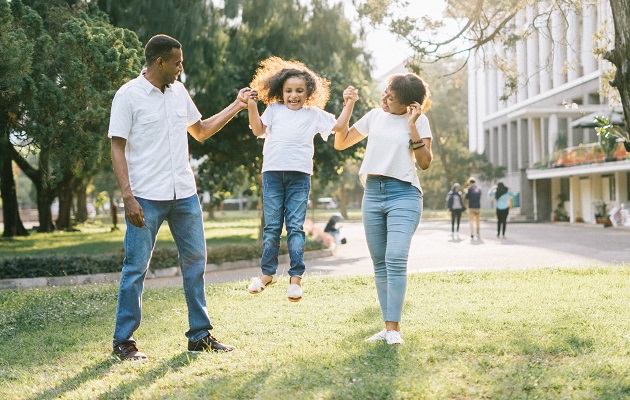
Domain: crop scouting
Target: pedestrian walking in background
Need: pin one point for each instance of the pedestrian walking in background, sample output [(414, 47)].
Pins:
[(503, 199), (473, 197), (455, 205)]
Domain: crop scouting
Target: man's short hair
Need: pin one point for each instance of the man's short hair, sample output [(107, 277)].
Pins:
[(159, 46)]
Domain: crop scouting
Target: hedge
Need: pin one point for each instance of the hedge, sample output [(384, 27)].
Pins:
[(60, 265)]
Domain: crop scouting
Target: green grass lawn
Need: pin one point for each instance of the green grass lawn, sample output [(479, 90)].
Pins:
[(229, 227), (546, 334)]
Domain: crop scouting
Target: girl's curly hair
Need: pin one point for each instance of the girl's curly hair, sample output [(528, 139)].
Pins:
[(410, 88), (274, 71)]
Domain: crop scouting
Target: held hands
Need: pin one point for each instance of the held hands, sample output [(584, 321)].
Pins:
[(253, 97), (243, 97), (350, 95)]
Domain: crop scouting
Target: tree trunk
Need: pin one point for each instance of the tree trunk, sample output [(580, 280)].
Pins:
[(343, 200), (448, 173), (45, 194), (64, 220), (10, 211), (81, 192), (620, 55)]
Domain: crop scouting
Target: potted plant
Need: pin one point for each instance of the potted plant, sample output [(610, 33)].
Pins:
[(609, 135), (560, 213), (601, 213)]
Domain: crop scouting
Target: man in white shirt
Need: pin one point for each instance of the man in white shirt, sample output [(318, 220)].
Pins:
[(150, 118)]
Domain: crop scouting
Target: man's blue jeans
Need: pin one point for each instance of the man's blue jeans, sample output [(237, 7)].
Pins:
[(184, 218), (391, 213), (285, 199)]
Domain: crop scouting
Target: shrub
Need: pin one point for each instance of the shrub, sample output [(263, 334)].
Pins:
[(57, 265)]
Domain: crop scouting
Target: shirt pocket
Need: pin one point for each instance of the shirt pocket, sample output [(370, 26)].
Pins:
[(182, 119), (149, 123)]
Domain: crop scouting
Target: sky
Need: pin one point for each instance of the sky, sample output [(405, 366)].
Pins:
[(387, 51)]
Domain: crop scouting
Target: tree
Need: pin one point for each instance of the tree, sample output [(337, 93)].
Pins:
[(16, 50), (486, 21), (79, 61)]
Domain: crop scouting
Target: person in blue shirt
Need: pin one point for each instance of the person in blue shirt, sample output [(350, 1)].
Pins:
[(503, 203)]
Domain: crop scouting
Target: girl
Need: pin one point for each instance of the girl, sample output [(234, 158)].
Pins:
[(295, 97), (399, 137), (501, 194)]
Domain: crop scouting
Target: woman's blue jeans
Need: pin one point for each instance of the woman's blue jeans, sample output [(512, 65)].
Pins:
[(285, 200), (185, 221), (391, 213)]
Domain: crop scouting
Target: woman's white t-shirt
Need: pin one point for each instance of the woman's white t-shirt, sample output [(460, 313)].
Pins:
[(289, 136), (387, 152)]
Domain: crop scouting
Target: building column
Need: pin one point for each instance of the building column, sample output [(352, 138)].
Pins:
[(559, 50), (552, 134), (545, 57), (589, 27), (573, 46), (521, 62), (533, 64), (473, 104)]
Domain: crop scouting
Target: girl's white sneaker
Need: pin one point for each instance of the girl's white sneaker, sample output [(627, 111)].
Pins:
[(394, 337)]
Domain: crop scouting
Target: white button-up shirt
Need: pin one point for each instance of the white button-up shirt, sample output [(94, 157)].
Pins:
[(155, 126)]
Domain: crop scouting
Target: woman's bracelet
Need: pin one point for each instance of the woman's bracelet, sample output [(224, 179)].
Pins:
[(419, 147), (412, 142)]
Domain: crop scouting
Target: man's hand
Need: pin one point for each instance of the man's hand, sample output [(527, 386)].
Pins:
[(133, 212), (243, 97)]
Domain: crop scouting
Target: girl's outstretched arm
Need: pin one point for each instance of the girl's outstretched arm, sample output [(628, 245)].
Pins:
[(344, 135), (255, 123)]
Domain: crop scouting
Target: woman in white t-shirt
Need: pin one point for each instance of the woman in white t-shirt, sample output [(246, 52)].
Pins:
[(399, 137), (295, 97)]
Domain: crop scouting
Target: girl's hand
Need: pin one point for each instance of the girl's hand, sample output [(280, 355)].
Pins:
[(350, 94), (415, 110), (253, 97)]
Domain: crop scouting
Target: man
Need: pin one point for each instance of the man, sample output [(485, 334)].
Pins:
[(473, 196), (150, 118)]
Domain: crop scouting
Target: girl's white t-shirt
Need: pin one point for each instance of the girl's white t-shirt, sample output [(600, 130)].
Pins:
[(289, 136), (387, 152)]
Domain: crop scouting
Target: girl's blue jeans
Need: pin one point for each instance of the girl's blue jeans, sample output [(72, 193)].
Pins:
[(184, 218), (391, 213), (285, 200)]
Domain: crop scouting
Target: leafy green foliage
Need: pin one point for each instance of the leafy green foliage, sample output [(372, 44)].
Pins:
[(608, 135)]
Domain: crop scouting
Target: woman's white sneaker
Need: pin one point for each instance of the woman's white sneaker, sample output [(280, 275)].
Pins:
[(377, 336), (394, 337), (382, 336)]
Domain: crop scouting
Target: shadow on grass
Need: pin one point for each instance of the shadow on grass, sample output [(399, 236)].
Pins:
[(144, 379), (89, 373), (370, 372)]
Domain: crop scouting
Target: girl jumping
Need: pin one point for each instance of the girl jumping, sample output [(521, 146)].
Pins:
[(295, 97)]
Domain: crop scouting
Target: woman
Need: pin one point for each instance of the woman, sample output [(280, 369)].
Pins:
[(455, 205), (399, 138), (502, 195)]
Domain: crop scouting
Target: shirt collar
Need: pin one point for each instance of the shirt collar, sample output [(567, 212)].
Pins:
[(148, 86)]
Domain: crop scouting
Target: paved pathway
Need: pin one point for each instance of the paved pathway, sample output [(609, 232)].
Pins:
[(527, 245)]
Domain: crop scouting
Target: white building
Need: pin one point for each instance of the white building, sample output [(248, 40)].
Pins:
[(557, 81)]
